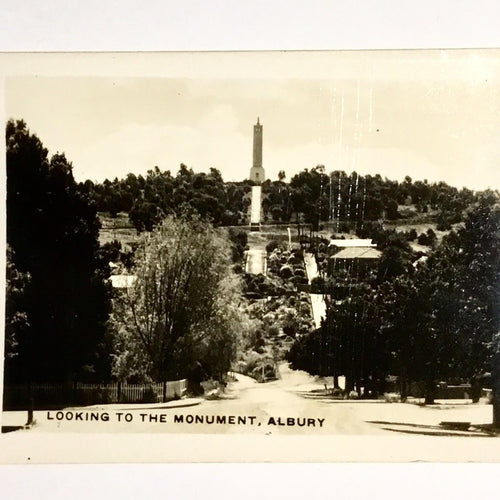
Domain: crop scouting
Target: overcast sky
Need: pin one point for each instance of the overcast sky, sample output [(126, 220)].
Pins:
[(434, 119)]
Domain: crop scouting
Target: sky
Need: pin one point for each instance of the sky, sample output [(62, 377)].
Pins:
[(430, 117)]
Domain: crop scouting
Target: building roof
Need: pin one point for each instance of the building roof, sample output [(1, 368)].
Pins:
[(358, 253), (355, 242), (122, 281)]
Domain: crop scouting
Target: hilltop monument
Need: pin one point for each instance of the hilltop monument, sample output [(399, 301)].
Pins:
[(257, 173)]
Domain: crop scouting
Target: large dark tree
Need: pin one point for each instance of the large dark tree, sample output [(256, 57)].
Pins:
[(52, 230)]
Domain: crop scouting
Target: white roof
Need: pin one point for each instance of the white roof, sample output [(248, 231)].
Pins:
[(355, 242), (122, 281), (358, 253)]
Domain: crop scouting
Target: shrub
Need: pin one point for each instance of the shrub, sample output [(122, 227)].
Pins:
[(294, 260), (272, 245), (300, 273), (412, 235), (286, 271), (344, 227), (318, 285), (443, 225), (423, 240)]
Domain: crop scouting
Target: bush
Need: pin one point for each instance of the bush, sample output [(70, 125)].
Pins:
[(443, 225), (272, 245), (300, 273), (422, 239), (294, 260), (344, 227), (286, 272), (273, 331), (412, 235), (239, 240), (318, 285), (427, 239)]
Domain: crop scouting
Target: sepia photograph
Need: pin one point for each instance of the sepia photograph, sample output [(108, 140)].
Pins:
[(265, 245)]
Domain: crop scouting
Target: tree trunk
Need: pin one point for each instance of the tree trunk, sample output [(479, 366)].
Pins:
[(430, 392), (475, 390), (404, 388), (349, 384)]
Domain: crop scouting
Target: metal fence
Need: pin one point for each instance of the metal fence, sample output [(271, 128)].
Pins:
[(40, 396)]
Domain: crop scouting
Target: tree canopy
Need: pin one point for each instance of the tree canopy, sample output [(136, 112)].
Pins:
[(181, 316), (56, 280), (312, 196), (436, 319)]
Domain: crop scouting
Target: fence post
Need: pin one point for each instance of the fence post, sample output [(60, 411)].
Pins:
[(119, 391)]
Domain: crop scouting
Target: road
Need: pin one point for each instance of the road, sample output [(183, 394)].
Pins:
[(285, 406), (254, 408)]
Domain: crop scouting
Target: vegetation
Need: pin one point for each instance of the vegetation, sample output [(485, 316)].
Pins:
[(427, 310), (426, 320), (181, 317), (57, 297), (311, 196), (149, 199)]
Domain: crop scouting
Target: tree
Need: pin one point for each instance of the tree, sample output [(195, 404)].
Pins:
[(53, 229), (478, 249), (16, 319), (314, 353), (459, 318), (391, 210), (181, 315)]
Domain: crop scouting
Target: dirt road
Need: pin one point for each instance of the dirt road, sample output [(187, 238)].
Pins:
[(290, 405)]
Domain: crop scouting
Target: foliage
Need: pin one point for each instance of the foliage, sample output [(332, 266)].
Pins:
[(181, 317), (312, 195), (424, 321), (239, 241), (52, 229), (149, 199), (272, 245), (16, 319), (428, 238)]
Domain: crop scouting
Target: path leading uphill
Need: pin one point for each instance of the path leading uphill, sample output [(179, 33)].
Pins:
[(256, 255), (318, 303), (255, 207)]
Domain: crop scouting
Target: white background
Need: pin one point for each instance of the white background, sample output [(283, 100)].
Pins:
[(55, 25), (126, 25)]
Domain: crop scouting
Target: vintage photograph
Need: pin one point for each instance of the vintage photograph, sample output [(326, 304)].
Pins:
[(270, 244)]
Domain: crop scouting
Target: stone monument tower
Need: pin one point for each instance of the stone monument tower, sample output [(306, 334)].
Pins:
[(257, 173)]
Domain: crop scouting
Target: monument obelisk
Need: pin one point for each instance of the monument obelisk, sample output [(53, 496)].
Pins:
[(257, 173)]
